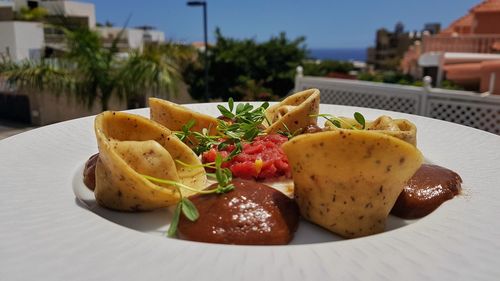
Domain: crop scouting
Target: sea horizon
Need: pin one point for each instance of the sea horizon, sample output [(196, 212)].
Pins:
[(340, 54)]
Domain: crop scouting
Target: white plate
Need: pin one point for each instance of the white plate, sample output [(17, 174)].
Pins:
[(47, 234)]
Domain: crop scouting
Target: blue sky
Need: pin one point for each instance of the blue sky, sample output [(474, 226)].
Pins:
[(326, 24)]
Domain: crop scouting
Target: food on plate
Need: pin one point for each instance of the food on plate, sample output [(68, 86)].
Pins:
[(250, 214), (130, 146), (426, 190), (294, 112), (399, 128), (175, 116), (269, 164), (347, 181), (260, 159)]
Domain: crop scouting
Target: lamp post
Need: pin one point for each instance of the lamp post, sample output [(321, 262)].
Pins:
[(204, 4)]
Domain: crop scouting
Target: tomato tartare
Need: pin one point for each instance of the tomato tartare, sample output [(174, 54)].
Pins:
[(260, 159)]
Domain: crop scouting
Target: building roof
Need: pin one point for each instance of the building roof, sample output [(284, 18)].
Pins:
[(198, 44), (465, 23), (487, 6), (461, 24)]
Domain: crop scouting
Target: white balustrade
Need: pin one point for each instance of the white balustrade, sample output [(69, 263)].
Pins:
[(467, 108)]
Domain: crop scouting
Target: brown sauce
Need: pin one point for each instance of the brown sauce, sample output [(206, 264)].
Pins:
[(89, 171), (251, 214), (426, 190)]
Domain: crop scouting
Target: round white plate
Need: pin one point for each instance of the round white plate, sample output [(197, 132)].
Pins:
[(48, 234)]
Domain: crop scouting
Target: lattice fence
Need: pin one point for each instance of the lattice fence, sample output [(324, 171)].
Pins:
[(466, 108), (373, 100), (478, 115)]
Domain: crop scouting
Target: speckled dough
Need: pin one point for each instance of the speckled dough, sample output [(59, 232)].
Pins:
[(294, 112), (174, 116), (131, 145), (348, 180), (399, 128)]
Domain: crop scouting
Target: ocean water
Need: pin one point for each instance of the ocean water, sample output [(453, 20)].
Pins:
[(342, 54)]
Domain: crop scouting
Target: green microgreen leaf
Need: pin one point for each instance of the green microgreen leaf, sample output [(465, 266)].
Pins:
[(189, 209), (360, 119), (224, 189), (237, 150), (230, 103), (239, 108), (287, 133), (189, 125), (337, 122), (206, 165), (185, 130), (172, 229), (225, 112), (218, 160), (222, 145)]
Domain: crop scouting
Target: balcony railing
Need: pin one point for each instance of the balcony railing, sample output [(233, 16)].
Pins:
[(462, 107), (54, 38), (122, 43), (461, 43)]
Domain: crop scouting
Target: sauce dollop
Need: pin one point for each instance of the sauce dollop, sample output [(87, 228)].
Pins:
[(89, 171), (251, 214), (426, 190)]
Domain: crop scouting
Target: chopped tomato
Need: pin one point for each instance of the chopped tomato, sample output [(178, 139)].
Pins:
[(261, 159)]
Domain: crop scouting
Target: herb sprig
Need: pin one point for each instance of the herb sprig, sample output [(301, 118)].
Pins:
[(244, 125), (288, 133), (185, 206), (185, 130), (246, 120), (337, 122)]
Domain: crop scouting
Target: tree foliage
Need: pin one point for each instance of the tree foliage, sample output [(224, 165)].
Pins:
[(393, 77), (27, 14), (325, 67), (246, 69), (93, 72)]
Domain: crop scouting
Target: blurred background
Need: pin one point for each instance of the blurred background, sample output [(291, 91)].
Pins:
[(61, 60)]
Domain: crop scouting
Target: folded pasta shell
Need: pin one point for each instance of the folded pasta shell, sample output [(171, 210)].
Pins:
[(398, 128), (347, 181), (131, 146), (174, 116), (294, 113)]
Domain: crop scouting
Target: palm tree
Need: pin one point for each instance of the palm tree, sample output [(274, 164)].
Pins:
[(93, 72)]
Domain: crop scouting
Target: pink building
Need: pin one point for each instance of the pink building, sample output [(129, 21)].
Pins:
[(467, 52)]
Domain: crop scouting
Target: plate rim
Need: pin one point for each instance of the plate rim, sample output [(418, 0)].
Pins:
[(315, 251)]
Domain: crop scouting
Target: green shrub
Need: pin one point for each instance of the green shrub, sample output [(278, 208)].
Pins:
[(238, 64)]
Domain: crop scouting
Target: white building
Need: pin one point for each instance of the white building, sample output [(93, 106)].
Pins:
[(131, 38), (21, 40), (18, 39)]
